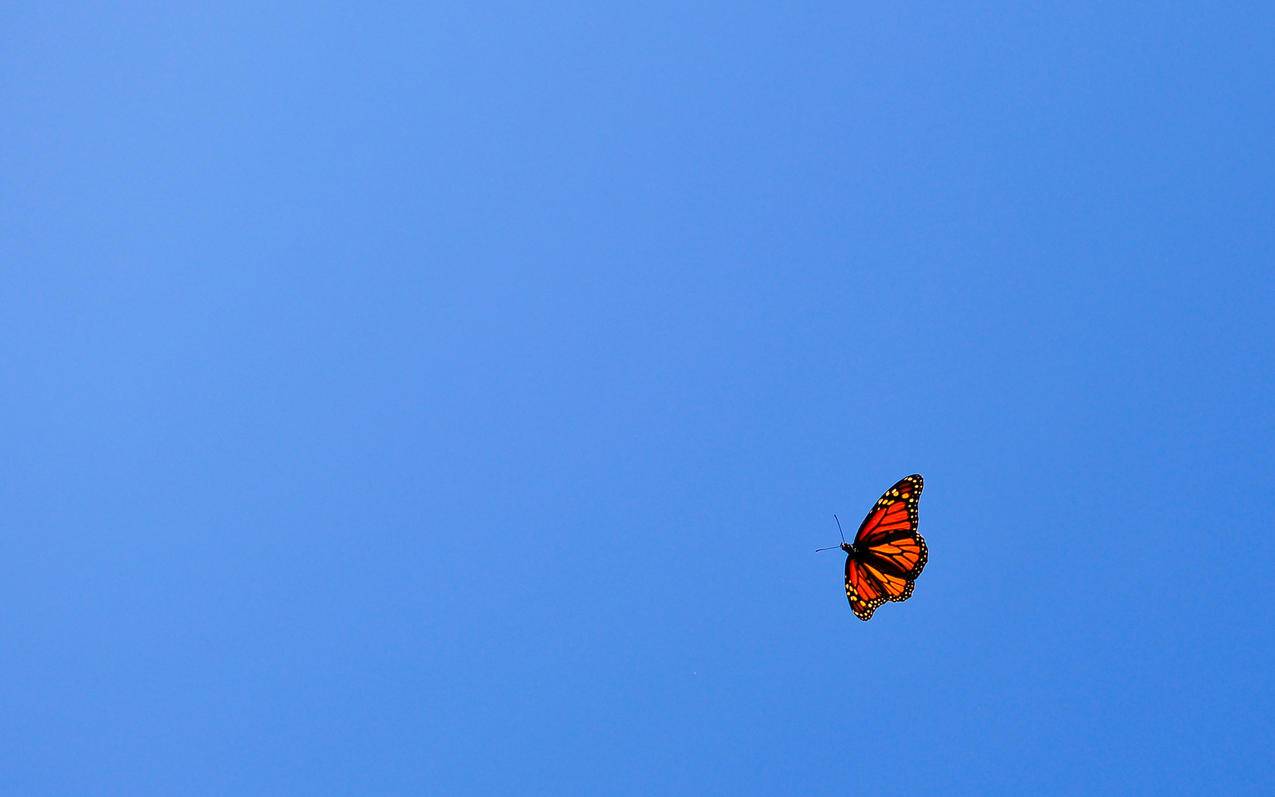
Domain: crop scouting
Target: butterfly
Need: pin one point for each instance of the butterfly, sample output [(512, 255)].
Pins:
[(887, 554)]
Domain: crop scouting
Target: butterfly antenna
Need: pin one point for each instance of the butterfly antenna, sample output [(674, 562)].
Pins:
[(839, 531)]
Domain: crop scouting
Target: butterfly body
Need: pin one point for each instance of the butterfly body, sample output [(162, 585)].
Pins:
[(887, 555)]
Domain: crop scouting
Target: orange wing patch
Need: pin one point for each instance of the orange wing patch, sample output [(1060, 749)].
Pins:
[(885, 519)]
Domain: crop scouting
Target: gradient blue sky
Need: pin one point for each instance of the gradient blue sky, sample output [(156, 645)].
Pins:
[(448, 398)]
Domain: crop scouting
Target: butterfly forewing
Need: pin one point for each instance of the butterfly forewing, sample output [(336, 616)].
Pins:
[(895, 510)]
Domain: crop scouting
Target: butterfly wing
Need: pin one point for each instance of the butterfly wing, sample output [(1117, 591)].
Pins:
[(864, 593), (889, 553), (895, 511)]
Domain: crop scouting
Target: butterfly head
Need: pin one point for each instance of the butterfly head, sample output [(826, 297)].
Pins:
[(847, 547)]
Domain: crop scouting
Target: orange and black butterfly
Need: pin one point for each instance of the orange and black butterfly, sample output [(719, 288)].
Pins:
[(887, 554)]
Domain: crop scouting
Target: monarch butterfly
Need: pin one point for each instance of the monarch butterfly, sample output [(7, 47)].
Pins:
[(887, 554)]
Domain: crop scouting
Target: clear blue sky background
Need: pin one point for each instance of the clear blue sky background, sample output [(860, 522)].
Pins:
[(444, 398)]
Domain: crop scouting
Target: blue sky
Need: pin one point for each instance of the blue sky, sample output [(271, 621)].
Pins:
[(443, 398)]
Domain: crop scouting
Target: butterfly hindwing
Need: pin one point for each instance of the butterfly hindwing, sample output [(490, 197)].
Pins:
[(902, 555), (864, 593)]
